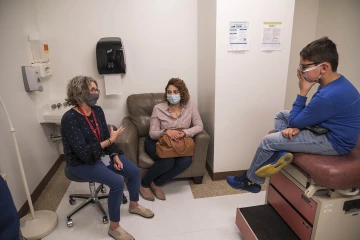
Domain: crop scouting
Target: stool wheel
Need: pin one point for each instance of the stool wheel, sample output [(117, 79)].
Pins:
[(69, 223), (72, 201), (124, 200)]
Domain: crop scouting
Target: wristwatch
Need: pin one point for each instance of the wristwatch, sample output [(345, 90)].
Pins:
[(113, 155)]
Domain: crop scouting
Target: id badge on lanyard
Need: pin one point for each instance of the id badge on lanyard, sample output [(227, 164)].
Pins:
[(97, 131)]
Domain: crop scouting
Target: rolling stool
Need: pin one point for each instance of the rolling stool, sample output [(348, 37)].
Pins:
[(90, 198)]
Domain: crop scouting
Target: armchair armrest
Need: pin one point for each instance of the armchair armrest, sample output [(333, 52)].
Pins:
[(128, 141), (201, 147)]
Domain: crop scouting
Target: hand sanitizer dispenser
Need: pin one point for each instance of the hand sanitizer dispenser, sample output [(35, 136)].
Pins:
[(31, 77)]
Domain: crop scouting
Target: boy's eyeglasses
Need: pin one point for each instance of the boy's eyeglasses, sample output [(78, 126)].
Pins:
[(304, 66)]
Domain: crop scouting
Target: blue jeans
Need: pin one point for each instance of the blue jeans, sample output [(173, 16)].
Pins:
[(305, 141), (109, 176), (164, 169)]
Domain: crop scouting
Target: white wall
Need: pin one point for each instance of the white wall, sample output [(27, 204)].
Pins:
[(301, 36), (159, 37), (250, 86), (206, 44), (17, 20), (339, 20)]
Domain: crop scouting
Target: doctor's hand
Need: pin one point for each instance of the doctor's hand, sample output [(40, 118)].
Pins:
[(114, 134), (290, 132), (118, 165)]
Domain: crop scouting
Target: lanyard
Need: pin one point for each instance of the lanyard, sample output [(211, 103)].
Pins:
[(96, 133)]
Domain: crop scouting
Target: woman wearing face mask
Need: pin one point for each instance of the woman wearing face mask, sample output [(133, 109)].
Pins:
[(86, 139), (176, 112)]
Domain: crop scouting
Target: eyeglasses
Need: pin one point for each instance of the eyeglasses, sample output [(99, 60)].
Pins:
[(302, 67), (94, 90), (310, 69)]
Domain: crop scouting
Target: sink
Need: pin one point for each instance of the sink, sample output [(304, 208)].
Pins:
[(48, 114)]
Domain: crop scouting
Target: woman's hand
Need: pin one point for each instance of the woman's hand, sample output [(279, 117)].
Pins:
[(173, 134), (181, 134), (115, 134), (290, 132), (118, 165)]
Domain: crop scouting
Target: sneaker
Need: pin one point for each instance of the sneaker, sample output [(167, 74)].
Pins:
[(274, 164), (120, 234), (243, 183)]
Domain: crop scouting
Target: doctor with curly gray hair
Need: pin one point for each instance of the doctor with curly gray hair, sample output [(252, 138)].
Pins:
[(86, 138)]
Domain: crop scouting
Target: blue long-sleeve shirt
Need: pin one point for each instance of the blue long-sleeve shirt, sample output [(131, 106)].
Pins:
[(335, 107), (79, 142)]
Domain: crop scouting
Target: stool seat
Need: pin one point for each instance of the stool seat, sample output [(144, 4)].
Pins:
[(334, 172), (73, 177)]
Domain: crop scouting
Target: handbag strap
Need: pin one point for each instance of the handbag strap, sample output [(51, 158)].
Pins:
[(177, 151)]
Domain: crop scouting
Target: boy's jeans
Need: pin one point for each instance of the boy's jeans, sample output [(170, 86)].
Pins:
[(305, 141)]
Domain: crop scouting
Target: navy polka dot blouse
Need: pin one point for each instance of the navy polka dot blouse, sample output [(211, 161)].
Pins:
[(80, 144)]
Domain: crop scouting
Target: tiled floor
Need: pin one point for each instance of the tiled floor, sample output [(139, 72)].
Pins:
[(179, 217)]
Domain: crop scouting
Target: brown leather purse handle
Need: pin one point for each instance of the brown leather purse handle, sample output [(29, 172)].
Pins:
[(175, 147)]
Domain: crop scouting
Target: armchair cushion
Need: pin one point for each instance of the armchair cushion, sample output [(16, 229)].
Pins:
[(128, 140), (145, 161), (140, 108)]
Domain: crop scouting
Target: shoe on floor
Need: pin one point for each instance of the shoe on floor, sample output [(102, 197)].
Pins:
[(158, 192), (142, 211), (243, 183), (275, 164), (146, 193), (120, 234)]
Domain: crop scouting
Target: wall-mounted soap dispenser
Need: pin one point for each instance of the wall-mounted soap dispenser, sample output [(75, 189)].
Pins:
[(40, 55), (31, 77)]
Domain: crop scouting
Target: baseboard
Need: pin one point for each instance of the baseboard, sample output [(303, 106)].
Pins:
[(222, 175), (40, 188)]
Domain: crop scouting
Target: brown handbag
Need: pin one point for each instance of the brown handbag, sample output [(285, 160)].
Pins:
[(167, 148)]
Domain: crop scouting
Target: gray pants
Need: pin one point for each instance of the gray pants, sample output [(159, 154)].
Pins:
[(305, 141)]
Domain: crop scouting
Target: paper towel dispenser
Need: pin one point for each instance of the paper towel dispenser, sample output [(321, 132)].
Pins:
[(110, 56)]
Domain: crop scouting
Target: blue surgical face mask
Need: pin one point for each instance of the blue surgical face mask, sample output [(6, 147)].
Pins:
[(173, 99)]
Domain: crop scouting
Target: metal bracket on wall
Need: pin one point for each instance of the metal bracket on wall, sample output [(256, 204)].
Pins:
[(55, 138)]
